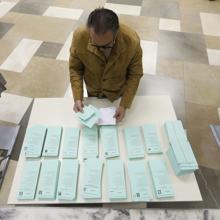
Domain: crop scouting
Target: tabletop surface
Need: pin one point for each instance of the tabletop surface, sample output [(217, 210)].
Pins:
[(145, 109)]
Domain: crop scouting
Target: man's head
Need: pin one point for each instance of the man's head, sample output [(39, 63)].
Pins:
[(103, 25)]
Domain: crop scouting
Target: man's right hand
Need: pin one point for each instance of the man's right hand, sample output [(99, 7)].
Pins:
[(78, 106)]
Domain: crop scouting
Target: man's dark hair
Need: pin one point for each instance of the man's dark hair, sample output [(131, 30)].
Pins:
[(103, 20)]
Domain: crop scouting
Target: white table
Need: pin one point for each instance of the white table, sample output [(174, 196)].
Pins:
[(156, 109)]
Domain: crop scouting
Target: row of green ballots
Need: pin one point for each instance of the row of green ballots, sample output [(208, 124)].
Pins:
[(54, 179), (46, 141)]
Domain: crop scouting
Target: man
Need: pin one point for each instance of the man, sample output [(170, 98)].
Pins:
[(108, 57)]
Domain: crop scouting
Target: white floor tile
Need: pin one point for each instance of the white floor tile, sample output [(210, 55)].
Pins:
[(149, 56), (67, 13), (69, 93), (65, 51), (21, 55), (5, 7), (214, 57), (124, 9), (210, 24), (169, 24), (13, 107)]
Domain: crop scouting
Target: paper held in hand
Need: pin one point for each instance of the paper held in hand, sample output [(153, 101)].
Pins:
[(91, 116)]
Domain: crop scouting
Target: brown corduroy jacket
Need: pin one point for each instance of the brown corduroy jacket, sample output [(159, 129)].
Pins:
[(116, 77)]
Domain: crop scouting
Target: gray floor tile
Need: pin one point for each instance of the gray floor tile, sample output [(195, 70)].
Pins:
[(182, 46), (212, 178), (126, 2), (32, 6), (49, 49), (161, 8), (158, 85), (4, 28)]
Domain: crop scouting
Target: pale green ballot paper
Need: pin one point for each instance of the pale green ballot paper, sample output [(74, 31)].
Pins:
[(47, 185), (34, 141), (139, 183), (160, 177), (29, 178), (133, 142), (68, 178), (116, 180), (90, 142), (109, 139), (92, 187), (70, 142), (151, 139), (52, 142)]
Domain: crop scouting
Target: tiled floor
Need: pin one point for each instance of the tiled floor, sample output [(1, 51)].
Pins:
[(181, 58)]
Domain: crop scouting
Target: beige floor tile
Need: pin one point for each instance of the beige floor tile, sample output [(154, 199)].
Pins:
[(8, 43), (204, 146), (146, 27), (190, 21), (212, 42), (170, 68), (45, 28), (82, 4), (43, 77), (5, 190), (202, 84), (200, 116), (201, 5)]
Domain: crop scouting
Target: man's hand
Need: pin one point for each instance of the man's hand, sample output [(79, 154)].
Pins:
[(78, 106), (119, 114)]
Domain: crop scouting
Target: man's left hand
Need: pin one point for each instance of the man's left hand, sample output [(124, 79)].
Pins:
[(119, 114)]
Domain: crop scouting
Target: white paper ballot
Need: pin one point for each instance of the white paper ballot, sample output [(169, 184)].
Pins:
[(107, 116)]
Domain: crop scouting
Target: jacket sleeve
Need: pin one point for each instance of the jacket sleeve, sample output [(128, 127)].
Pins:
[(76, 69), (134, 74)]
